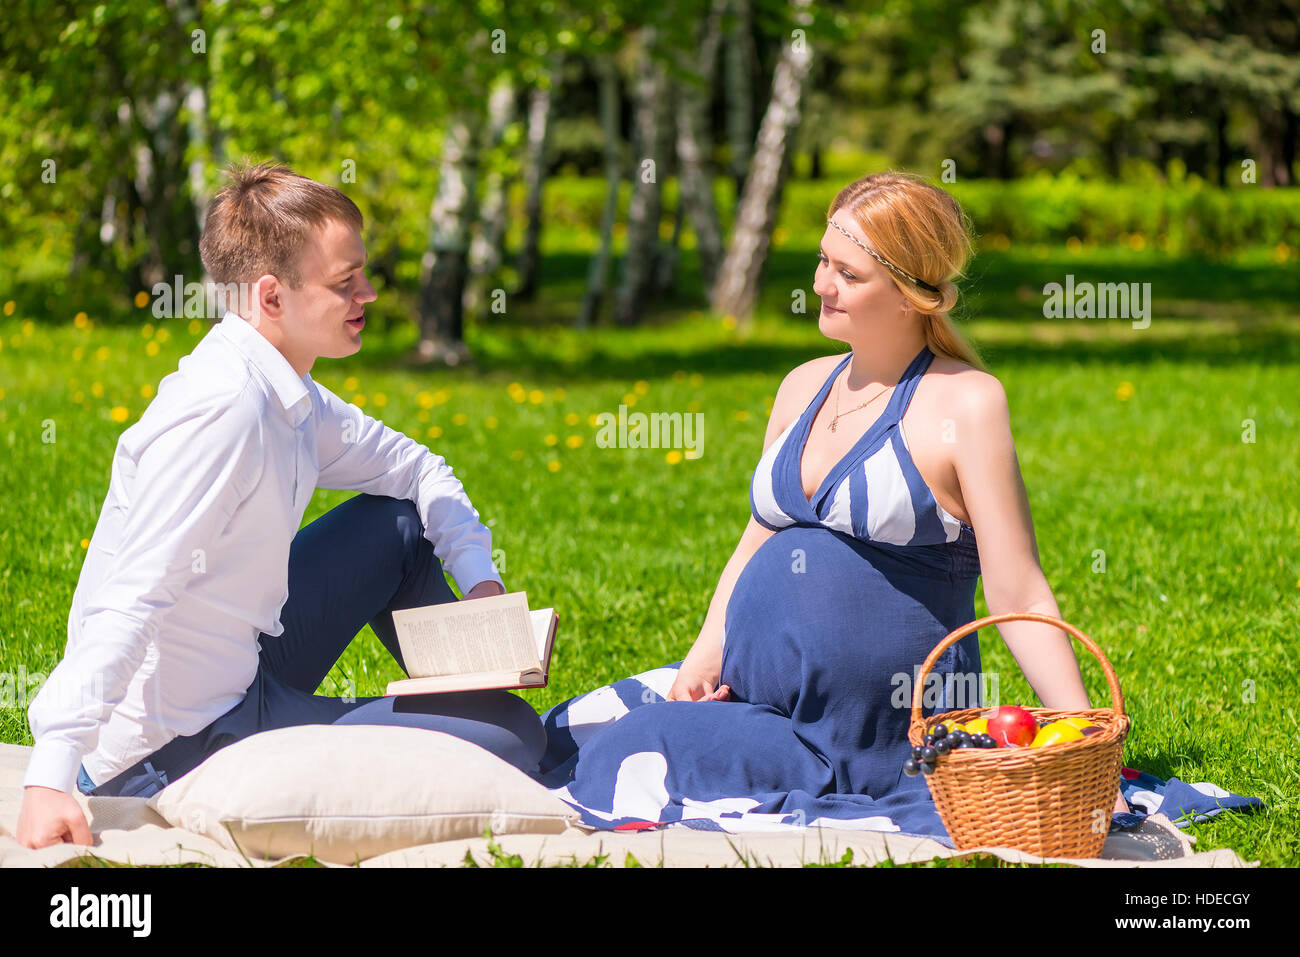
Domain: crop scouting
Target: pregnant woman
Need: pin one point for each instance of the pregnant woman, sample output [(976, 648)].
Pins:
[(880, 470)]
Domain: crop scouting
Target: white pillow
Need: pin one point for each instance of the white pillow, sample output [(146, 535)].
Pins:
[(344, 793)]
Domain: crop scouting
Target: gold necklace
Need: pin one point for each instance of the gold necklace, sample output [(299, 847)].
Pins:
[(838, 413)]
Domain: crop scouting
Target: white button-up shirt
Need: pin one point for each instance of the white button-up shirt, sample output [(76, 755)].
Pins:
[(189, 561)]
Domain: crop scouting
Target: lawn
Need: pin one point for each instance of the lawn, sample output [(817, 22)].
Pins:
[(1171, 449)]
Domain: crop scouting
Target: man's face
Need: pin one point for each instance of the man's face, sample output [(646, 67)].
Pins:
[(324, 316)]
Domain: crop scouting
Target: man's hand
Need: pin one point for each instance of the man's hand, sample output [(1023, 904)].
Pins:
[(484, 589), (49, 816)]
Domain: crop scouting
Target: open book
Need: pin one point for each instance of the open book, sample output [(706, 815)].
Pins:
[(474, 645)]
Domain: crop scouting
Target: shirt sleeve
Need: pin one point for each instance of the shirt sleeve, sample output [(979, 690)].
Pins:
[(188, 482), (355, 451)]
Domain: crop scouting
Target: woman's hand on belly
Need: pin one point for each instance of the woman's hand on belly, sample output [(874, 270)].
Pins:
[(692, 686)]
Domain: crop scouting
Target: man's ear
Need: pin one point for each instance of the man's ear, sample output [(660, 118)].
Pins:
[(269, 295)]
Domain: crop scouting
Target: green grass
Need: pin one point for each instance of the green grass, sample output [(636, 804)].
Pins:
[(1130, 442)]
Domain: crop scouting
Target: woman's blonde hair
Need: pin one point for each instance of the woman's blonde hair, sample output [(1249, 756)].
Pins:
[(923, 231)]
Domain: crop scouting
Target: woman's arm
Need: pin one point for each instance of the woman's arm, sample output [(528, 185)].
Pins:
[(988, 473), (698, 676), (993, 490)]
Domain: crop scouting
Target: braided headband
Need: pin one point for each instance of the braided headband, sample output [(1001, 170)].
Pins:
[(880, 259)]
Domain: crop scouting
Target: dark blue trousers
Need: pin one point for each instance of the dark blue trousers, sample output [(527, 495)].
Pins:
[(358, 563)]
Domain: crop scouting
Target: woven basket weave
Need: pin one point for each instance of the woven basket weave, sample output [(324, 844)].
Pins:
[(1052, 801)]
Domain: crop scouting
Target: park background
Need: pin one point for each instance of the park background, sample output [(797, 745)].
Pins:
[(575, 206)]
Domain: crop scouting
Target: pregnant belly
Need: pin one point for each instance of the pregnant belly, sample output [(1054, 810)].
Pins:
[(821, 622)]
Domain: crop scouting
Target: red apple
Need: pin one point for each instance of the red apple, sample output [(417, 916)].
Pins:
[(1012, 726)]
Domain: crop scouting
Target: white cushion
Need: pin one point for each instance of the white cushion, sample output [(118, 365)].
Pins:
[(345, 793)]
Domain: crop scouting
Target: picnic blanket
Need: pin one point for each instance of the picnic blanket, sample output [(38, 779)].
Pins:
[(640, 798)]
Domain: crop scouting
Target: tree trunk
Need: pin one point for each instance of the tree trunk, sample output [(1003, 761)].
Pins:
[(665, 280), (485, 252), (598, 276), (740, 70), (736, 290), (540, 101), (445, 264), (1221, 145), (650, 160), (694, 146), (1290, 132)]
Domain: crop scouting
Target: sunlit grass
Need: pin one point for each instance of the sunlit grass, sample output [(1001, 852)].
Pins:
[(1171, 450)]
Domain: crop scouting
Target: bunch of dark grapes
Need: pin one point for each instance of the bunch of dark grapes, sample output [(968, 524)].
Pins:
[(938, 742)]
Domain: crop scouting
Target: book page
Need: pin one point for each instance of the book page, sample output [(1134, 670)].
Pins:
[(482, 634), (542, 619)]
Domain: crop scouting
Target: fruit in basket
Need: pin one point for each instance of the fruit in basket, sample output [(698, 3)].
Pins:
[(1055, 733), (1012, 726), (978, 726), (1079, 723)]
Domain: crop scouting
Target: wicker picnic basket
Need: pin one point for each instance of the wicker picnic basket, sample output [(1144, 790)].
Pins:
[(1053, 801)]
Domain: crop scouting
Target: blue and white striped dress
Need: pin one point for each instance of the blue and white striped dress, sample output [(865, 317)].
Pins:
[(826, 627)]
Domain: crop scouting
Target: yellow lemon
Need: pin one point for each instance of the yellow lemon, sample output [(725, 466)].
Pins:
[(1079, 723), (978, 726)]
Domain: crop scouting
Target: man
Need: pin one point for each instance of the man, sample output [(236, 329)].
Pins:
[(202, 614)]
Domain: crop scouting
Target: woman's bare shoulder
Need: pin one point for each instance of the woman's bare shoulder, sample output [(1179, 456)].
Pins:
[(797, 389), (960, 380), (959, 388)]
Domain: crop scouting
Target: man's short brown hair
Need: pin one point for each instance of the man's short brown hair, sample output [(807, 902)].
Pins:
[(260, 221)]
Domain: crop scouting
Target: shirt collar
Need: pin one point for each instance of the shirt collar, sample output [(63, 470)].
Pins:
[(290, 388)]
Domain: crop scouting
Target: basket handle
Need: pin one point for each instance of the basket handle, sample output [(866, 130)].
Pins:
[(1116, 696)]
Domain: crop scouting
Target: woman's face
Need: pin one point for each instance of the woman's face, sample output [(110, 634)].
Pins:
[(857, 292)]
